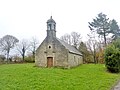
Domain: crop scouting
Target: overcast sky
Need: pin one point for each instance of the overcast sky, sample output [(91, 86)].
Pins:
[(25, 19)]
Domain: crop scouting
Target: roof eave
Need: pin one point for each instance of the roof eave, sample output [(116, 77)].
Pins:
[(75, 53)]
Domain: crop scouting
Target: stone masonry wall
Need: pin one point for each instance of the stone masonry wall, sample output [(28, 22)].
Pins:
[(40, 57), (61, 55), (74, 60)]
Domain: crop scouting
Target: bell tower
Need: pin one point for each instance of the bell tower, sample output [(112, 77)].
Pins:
[(51, 28)]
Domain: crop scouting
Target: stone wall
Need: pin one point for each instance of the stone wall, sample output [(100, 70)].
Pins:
[(51, 49), (74, 60), (61, 55), (40, 57)]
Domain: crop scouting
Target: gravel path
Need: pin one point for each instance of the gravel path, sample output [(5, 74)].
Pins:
[(117, 87)]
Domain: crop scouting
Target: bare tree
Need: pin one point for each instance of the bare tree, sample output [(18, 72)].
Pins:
[(72, 39), (22, 47), (33, 46), (66, 38), (92, 44), (85, 53), (7, 43), (76, 37)]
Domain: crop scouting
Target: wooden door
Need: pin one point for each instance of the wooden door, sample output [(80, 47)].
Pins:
[(49, 61)]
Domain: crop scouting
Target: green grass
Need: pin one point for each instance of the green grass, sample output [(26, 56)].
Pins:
[(28, 77)]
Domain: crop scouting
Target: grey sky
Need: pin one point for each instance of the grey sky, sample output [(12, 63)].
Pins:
[(27, 18)]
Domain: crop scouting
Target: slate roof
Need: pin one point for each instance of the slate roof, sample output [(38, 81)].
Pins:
[(69, 47)]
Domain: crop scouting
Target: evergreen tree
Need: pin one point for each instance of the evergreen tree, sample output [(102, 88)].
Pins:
[(101, 25), (114, 28)]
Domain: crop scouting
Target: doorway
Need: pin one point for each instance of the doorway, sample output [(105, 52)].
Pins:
[(49, 61)]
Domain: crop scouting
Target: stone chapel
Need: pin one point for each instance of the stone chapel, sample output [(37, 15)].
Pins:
[(54, 52)]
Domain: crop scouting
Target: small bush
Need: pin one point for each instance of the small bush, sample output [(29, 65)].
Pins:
[(112, 59), (29, 59)]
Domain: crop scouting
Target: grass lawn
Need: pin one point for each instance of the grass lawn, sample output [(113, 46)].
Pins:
[(28, 77)]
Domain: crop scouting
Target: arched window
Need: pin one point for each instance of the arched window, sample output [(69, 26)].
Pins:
[(50, 27)]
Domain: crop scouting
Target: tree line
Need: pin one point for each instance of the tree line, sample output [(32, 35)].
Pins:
[(9, 42)]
